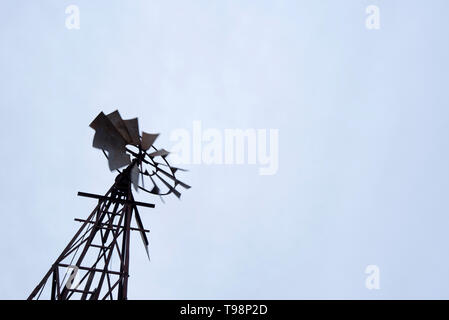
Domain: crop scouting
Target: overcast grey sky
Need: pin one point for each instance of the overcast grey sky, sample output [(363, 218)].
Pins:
[(363, 142)]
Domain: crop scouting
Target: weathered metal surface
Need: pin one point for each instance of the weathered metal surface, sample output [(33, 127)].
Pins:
[(104, 236)]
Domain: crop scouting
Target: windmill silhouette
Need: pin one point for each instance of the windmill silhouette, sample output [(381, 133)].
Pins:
[(95, 263)]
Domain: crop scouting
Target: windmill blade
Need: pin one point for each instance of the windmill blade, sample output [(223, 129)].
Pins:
[(118, 159), (106, 134), (120, 125), (107, 137), (143, 234), (132, 125), (134, 175), (161, 153), (107, 157), (148, 140)]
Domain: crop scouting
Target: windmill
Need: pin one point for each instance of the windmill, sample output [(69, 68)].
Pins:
[(95, 263)]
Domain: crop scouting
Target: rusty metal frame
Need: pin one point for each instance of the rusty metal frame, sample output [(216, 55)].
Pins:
[(110, 222)]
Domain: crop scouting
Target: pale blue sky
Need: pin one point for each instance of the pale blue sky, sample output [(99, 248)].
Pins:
[(363, 126)]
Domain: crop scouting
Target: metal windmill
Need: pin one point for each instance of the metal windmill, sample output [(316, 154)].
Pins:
[(95, 263)]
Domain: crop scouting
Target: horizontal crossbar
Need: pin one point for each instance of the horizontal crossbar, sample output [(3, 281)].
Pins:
[(90, 269), (110, 227), (97, 196)]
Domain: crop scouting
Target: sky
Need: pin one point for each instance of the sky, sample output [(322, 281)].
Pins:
[(363, 123)]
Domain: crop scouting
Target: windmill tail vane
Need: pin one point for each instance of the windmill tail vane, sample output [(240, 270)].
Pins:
[(95, 263)]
